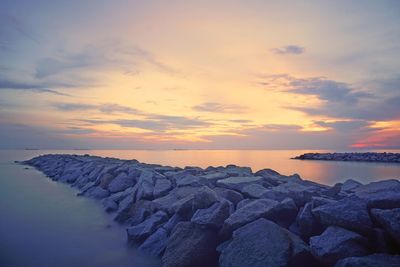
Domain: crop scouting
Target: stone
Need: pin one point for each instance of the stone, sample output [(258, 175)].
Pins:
[(275, 178), (228, 194), (350, 185), (337, 243), (110, 205), (374, 260), (162, 187), (264, 243), (97, 192), (165, 203), (201, 199), (306, 222), (389, 220), (284, 213), (191, 180), (140, 232), (350, 213), (250, 212), (155, 244), (238, 182), (190, 245), (253, 190), (382, 195), (212, 217), (244, 202), (121, 182)]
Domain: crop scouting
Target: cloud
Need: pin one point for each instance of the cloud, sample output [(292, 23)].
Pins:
[(344, 126), (41, 87), (219, 108), (101, 56), (104, 108), (289, 49)]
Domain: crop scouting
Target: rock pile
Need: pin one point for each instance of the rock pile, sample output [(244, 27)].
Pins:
[(230, 216), (366, 156)]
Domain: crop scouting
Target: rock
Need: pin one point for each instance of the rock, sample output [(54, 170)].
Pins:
[(212, 217), (97, 192), (301, 193), (388, 220), (350, 185), (238, 182), (275, 178), (244, 202), (236, 171), (213, 177), (140, 232), (250, 212), (110, 205), (350, 213), (253, 190), (231, 195), (283, 213), (382, 195), (264, 243), (133, 212), (191, 180), (165, 203), (336, 243), (374, 260), (187, 206), (190, 245), (306, 223), (121, 182), (319, 201), (162, 187), (156, 243)]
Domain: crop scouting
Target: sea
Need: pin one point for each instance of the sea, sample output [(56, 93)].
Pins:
[(43, 223)]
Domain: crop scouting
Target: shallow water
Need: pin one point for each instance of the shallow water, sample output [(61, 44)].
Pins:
[(43, 223)]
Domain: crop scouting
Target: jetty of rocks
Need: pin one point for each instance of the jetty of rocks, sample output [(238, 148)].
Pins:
[(366, 156), (230, 216)]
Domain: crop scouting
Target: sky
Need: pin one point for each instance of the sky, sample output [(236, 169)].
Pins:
[(220, 74)]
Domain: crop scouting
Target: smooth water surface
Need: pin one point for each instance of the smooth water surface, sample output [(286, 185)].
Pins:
[(43, 223)]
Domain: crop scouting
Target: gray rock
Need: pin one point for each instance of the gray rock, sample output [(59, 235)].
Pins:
[(165, 203), (350, 185), (228, 194), (191, 180), (336, 243), (264, 243), (121, 182), (382, 195), (350, 213), (244, 202), (250, 212), (133, 212), (306, 222), (212, 217), (253, 190), (388, 220), (110, 205), (155, 244), (374, 260), (97, 192), (238, 182), (140, 232), (190, 245), (233, 170), (213, 177), (201, 199), (162, 187), (274, 178), (319, 201), (284, 213)]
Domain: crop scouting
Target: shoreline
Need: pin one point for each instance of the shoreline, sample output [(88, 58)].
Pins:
[(209, 216)]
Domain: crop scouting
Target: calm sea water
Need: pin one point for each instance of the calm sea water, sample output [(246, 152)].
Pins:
[(43, 223)]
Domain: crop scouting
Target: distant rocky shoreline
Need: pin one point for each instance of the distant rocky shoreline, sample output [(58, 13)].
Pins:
[(230, 216), (366, 157)]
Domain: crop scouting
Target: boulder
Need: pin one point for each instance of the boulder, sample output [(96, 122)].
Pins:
[(121, 182), (337, 243), (162, 187), (190, 245), (132, 212), (350, 213), (191, 180), (155, 244), (264, 243), (253, 190), (306, 222), (187, 206), (250, 212), (238, 182), (275, 178), (244, 202), (228, 194), (110, 205), (374, 260), (382, 195), (350, 185), (233, 170), (97, 192), (284, 213), (165, 203), (388, 220), (140, 232), (212, 217)]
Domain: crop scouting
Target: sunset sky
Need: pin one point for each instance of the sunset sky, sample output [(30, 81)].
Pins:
[(232, 74)]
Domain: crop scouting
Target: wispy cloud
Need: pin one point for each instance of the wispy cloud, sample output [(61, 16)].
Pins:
[(219, 108), (289, 49), (104, 108), (40, 87)]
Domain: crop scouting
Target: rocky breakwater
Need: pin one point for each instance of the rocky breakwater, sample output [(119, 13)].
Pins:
[(230, 216), (367, 157)]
